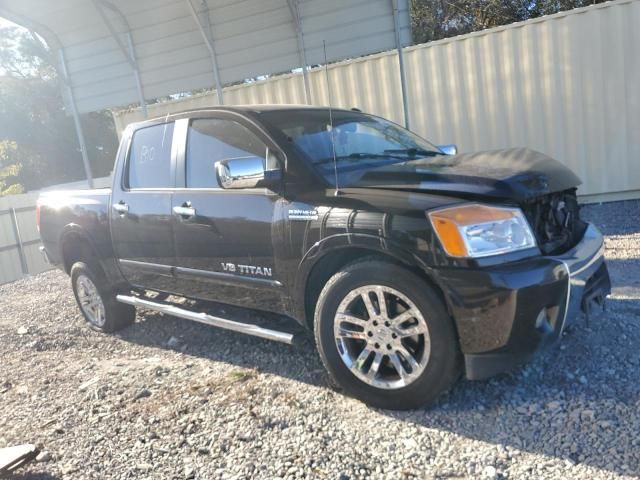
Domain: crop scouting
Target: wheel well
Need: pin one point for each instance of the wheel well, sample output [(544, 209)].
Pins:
[(75, 248), (335, 261), (323, 270)]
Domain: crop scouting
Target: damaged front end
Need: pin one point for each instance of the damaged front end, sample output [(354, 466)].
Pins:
[(555, 221)]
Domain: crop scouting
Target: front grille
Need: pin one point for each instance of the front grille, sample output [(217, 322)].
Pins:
[(555, 220)]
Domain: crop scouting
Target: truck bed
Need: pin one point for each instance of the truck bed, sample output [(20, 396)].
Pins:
[(64, 212)]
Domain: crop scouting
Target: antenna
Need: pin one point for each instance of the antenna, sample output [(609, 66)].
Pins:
[(333, 143)]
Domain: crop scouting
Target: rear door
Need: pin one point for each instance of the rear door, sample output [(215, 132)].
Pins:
[(141, 219), (224, 239)]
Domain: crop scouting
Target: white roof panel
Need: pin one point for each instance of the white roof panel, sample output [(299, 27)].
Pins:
[(250, 38)]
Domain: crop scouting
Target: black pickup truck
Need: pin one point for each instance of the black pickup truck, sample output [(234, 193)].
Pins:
[(410, 263)]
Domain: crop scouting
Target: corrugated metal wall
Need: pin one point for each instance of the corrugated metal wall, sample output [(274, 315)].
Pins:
[(566, 85), (19, 238)]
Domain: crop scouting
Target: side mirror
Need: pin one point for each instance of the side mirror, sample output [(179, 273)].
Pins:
[(448, 149), (245, 172)]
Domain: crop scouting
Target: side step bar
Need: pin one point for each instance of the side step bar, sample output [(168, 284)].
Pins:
[(247, 328)]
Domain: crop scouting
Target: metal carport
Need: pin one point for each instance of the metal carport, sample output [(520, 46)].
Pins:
[(119, 52)]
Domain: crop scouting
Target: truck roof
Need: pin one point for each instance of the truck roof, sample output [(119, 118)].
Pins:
[(239, 109)]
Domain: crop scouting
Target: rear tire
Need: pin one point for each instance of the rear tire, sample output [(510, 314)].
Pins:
[(97, 301), (399, 354)]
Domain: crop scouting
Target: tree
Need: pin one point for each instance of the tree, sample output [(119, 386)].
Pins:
[(9, 169), (436, 19), (38, 143)]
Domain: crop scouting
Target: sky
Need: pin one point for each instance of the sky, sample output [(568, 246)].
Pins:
[(5, 23)]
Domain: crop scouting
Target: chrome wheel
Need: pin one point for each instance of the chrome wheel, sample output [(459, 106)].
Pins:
[(90, 300), (382, 337)]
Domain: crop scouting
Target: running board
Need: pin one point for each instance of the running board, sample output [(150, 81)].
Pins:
[(247, 328)]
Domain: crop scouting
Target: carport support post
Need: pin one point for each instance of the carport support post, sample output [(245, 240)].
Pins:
[(18, 237), (294, 7), (403, 79), (209, 44), (305, 77), (76, 116), (136, 74)]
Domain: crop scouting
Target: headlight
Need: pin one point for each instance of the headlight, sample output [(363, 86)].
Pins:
[(480, 230)]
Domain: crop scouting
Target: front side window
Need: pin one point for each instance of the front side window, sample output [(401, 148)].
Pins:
[(150, 157), (212, 139), (362, 142)]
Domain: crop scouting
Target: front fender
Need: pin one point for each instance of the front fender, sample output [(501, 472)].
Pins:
[(345, 241)]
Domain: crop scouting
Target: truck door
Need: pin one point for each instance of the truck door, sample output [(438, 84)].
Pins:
[(224, 239), (141, 218)]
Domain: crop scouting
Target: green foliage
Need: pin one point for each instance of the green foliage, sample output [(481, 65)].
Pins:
[(9, 171), (34, 121), (437, 19)]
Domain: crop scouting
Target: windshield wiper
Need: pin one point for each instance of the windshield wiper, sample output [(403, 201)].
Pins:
[(414, 152), (386, 154)]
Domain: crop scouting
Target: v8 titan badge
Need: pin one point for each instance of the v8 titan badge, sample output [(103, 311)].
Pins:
[(246, 269)]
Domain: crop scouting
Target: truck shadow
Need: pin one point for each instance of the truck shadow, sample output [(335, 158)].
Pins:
[(568, 388)]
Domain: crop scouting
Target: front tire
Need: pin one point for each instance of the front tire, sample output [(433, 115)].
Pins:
[(97, 301), (385, 336)]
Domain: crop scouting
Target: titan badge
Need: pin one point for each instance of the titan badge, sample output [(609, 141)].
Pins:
[(246, 269)]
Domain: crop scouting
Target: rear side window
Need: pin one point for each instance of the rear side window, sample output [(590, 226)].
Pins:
[(213, 139), (150, 157)]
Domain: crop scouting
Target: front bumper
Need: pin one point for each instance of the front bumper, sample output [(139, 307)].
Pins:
[(505, 313)]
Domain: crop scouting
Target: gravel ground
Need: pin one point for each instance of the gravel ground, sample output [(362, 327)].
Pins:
[(167, 398)]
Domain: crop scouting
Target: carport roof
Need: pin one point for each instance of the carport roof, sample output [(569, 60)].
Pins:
[(118, 52)]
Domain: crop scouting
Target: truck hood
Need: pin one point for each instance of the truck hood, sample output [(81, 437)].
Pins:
[(517, 174)]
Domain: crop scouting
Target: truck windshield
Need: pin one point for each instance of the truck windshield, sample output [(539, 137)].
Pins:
[(362, 142)]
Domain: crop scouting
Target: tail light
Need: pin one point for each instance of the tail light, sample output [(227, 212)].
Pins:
[(38, 216)]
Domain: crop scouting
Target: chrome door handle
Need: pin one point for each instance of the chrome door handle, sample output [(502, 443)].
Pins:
[(184, 211), (121, 208)]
